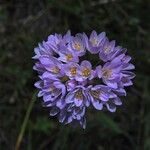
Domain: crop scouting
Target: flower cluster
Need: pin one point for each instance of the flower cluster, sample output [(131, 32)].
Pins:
[(69, 84)]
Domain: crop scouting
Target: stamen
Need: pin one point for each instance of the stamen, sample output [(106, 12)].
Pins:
[(79, 95), (55, 70), (77, 46), (94, 42), (107, 49), (95, 94), (69, 57), (107, 73), (73, 71), (86, 72), (64, 79)]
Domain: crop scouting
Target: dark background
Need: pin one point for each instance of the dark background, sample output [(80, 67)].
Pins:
[(24, 23)]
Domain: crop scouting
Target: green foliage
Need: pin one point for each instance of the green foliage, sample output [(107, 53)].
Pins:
[(42, 124), (108, 123)]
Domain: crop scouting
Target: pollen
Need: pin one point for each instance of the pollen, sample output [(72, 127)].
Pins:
[(95, 94), (86, 72), (107, 73), (79, 95), (94, 42), (77, 46), (73, 71), (69, 57), (64, 79), (55, 70), (107, 49)]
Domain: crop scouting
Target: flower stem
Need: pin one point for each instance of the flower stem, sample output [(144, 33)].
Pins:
[(23, 127)]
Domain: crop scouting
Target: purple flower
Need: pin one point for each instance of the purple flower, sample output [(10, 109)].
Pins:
[(77, 45), (70, 114), (42, 49), (51, 64), (71, 70), (125, 74), (108, 50), (56, 41), (69, 84), (95, 42), (52, 90), (110, 74), (111, 105), (78, 97), (99, 95), (74, 115), (85, 71), (39, 68), (67, 55)]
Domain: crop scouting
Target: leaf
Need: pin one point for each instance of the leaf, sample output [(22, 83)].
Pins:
[(42, 124), (110, 124)]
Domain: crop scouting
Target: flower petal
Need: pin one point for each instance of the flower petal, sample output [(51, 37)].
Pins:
[(97, 105)]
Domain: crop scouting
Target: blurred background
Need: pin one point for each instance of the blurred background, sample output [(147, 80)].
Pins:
[(24, 123)]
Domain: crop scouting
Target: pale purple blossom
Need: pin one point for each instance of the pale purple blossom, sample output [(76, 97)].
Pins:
[(69, 83), (77, 45), (95, 42), (79, 97), (52, 65), (85, 71)]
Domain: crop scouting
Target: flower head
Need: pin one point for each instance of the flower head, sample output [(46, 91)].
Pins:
[(70, 83)]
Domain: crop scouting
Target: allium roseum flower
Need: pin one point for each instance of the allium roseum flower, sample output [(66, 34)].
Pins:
[(70, 81)]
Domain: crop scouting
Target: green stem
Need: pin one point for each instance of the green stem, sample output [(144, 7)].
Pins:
[(23, 127)]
